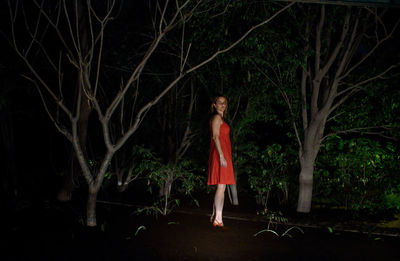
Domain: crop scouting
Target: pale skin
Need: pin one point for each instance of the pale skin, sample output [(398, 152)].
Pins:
[(220, 107)]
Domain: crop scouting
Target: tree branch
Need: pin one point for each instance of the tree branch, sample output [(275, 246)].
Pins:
[(379, 42), (318, 40), (364, 130), (318, 78)]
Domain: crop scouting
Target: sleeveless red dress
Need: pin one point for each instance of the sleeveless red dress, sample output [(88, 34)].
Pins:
[(216, 173)]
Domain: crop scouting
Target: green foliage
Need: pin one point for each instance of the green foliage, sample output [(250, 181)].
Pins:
[(165, 182), (330, 229), (268, 172), (145, 161), (153, 210), (182, 172), (138, 229), (392, 198), (176, 177), (358, 173), (274, 219)]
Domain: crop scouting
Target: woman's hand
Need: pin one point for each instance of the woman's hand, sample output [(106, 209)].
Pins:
[(222, 161)]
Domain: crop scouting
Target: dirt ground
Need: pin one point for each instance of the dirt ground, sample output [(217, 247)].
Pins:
[(55, 232), (191, 237)]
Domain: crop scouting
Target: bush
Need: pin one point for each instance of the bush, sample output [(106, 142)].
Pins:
[(268, 173), (358, 174)]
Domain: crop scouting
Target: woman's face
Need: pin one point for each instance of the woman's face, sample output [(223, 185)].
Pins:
[(220, 104)]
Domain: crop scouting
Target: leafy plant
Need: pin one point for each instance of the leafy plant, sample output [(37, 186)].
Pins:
[(270, 173), (166, 176), (274, 219), (358, 174)]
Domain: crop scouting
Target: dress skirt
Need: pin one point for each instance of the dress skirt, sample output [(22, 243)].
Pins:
[(216, 173)]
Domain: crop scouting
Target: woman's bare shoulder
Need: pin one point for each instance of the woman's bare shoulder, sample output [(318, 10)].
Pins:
[(216, 118)]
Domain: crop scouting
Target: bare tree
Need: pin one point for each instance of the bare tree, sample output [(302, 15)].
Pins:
[(86, 108), (63, 19), (177, 139)]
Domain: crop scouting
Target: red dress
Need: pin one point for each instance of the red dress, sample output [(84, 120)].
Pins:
[(216, 173)]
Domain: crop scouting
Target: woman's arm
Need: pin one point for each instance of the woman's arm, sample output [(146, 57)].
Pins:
[(215, 125)]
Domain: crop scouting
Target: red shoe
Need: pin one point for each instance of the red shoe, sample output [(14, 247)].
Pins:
[(216, 223)]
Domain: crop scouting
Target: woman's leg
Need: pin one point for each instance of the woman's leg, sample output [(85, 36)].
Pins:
[(219, 201), (213, 214)]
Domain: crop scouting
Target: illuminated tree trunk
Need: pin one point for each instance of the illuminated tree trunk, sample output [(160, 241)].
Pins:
[(233, 195), (91, 207), (307, 157), (232, 192)]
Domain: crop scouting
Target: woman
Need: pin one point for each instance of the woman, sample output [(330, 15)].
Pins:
[(220, 169)]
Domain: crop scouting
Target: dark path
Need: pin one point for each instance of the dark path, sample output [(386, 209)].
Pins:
[(191, 237), (55, 233)]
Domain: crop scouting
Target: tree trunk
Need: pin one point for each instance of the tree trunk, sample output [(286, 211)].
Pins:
[(232, 189), (91, 207), (233, 195), (305, 186), (65, 193), (307, 155), (165, 191)]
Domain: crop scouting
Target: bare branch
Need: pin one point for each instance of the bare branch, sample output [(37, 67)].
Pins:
[(78, 13), (60, 78), (55, 27), (129, 177), (237, 109), (58, 127), (365, 130), (35, 33), (287, 101), (335, 116), (223, 12), (121, 115), (371, 51), (356, 87), (143, 111), (162, 19), (188, 136), (44, 84), (318, 40), (335, 52), (378, 76), (378, 18), (71, 32), (347, 57), (96, 84), (325, 69), (343, 99), (304, 77)]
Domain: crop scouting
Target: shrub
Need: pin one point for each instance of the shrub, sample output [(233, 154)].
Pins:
[(358, 174)]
